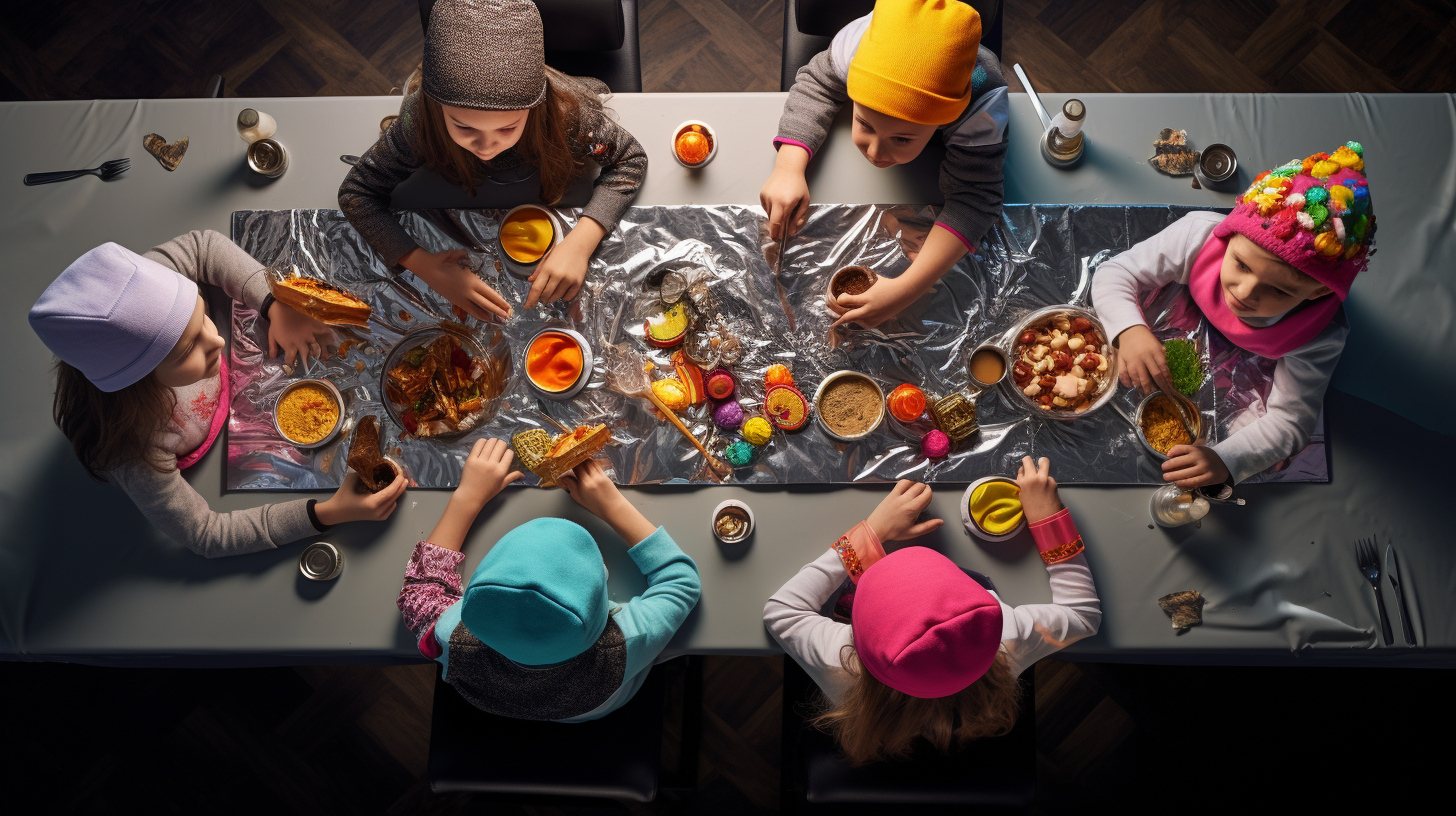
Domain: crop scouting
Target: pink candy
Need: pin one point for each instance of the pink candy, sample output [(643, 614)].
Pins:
[(935, 444)]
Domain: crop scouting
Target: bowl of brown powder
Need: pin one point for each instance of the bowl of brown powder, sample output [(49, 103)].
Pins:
[(849, 405), (851, 280)]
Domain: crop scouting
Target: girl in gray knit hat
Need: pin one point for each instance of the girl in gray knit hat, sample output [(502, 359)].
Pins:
[(485, 105)]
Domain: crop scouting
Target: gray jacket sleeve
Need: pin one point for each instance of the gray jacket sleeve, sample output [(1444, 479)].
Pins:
[(209, 257), (171, 505), (623, 163), (973, 186), (813, 101), (364, 195)]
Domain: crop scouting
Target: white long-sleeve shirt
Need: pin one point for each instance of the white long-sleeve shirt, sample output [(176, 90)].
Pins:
[(1028, 632), (1300, 377)]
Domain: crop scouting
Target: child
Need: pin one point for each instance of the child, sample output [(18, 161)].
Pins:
[(929, 653), (487, 105), (1270, 276), (142, 386), (532, 635), (913, 68)]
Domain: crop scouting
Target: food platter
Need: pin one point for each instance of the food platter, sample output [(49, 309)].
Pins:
[(463, 403), (1103, 377)]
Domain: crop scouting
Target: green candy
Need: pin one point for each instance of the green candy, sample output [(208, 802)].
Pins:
[(1316, 212), (1316, 195), (1355, 146), (1357, 229), (1284, 172)]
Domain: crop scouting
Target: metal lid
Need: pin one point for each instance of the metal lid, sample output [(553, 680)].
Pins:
[(321, 561), (248, 118)]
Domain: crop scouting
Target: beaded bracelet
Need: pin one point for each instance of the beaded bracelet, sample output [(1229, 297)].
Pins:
[(1058, 554), (848, 556)]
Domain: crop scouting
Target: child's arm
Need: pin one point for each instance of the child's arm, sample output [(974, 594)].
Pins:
[(487, 470), (815, 641)]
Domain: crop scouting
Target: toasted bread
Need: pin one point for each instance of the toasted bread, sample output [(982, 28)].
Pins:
[(321, 301)]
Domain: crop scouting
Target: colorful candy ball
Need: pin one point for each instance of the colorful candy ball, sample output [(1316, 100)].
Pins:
[(778, 374), (757, 431), (729, 416), (935, 444), (721, 384), (739, 453)]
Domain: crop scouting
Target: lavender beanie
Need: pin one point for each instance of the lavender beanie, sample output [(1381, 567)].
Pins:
[(485, 54), (114, 315)]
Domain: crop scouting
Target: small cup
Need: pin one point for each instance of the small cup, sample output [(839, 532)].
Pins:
[(1216, 166), (970, 523), (733, 508), (984, 349), (836, 281), (519, 269), (321, 561), (701, 127), (267, 158)]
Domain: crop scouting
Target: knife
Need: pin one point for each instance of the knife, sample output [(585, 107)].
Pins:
[(1392, 565), (778, 277)]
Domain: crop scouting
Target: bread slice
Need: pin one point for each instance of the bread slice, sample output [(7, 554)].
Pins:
[(321, 301)]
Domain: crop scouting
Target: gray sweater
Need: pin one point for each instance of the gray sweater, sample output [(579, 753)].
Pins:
[(166, 499), (364, 195), (975, 144)]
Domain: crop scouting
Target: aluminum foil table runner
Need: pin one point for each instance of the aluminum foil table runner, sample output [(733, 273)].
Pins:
[(1036, 256)]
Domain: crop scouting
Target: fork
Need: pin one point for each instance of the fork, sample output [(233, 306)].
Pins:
[(106, 172), (1369, 563)]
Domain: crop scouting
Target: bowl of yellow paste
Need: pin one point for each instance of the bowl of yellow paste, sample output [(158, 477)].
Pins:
[(991, 508), (526, 233), (308, 413), (558, 363)]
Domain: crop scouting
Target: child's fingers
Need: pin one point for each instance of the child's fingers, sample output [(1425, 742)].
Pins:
[(514, 476), (900, 487), (571, 293), (924, 527), (799, 215), (492, 296), (849, 317), (1044, 467)]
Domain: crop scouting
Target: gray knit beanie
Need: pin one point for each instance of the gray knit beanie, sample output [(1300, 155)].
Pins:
[(485, 54)]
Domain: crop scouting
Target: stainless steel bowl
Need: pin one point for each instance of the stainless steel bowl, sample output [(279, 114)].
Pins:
[(338, 423), (994, 348), (514, 267), (497, 358), (1108, 386), (1194, 418), (819, 414), (586, 364)]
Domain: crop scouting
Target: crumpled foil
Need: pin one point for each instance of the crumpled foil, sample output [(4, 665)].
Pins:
[(1036, 256)]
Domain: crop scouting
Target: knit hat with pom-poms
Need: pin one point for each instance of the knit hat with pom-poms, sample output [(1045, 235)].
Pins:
[(1314, 214)]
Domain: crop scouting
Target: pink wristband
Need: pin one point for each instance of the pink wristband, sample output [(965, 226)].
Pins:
[(1056, 537), (859, 549)]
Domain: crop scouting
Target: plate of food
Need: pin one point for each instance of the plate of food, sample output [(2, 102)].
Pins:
[(1062, 365), (439, 381)]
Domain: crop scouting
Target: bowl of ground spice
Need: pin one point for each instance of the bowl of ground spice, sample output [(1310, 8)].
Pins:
[(851, 280), (309, 413), (1159, 424), (849, 405)]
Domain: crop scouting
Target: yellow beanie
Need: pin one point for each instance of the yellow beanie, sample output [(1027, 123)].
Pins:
[(915, 60)]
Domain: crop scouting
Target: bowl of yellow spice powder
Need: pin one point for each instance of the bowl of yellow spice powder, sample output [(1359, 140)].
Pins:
[(1160, 423), (308, 413)]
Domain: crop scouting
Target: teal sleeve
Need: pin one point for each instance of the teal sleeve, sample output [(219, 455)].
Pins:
[(649, 620)]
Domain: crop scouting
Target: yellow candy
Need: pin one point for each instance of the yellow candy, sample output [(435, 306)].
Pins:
[(673, 394), (1324, 169), (1342, 194), (996, 507), (1345, 157), (1327, 244), (1267, 202), (757, 431)]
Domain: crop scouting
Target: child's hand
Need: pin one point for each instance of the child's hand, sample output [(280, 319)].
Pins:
[(295, 335), (894, 519), (785, 196), (1191, 466), (1039, 498), (882, 301), (588, 484), (559, 275), (486, 472), (443, 272), (1141, 361), (348, 504)]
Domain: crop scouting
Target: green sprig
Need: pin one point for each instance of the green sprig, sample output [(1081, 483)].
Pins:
[(1185, 366)]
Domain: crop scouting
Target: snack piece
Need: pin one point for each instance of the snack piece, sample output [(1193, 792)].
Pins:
[(532, 447), (720, 385), (673, 393), (1171, 153), (729, 416), (778, 374), (168, 155), (996, 507), (906, 402), (565, 452), (739, 453), (554, 362), (786, 407), (757, 431), (691, 377), (1184, 608), (955, 416), (367, 460), (935, 444), (321, 301), (667, 329)]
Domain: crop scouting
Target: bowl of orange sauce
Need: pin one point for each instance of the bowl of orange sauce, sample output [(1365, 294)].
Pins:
[(558, 363), (526, 233), (694, 143)]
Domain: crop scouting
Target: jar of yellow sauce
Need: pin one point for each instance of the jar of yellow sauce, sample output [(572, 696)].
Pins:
[(991, 508), (526, 233)]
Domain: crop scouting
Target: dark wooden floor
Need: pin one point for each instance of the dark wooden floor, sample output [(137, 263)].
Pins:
[(321, 740)]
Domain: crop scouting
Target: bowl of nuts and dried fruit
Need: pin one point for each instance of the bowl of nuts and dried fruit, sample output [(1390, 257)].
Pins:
[(1062, 365)]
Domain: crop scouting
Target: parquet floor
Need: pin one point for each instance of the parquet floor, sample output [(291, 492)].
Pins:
[(354, 739)]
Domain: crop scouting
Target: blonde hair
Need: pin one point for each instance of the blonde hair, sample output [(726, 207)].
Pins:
[(874, 722)]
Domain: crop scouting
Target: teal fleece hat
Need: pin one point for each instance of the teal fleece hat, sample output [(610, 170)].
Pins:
[(540, 595)]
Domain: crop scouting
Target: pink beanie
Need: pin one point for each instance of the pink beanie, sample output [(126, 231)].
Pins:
[(922, 626), (114, 315), (1315, 214)]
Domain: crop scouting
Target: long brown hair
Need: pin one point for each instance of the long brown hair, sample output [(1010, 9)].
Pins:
[(875, 722), (545, 140), (110, 429)]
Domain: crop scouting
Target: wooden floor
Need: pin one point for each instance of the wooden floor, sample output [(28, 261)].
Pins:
[(319, 740)]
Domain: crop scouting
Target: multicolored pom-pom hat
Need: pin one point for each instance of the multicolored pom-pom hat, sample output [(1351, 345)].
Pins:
[(1314, 214)]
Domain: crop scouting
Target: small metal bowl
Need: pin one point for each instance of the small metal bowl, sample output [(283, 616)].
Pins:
[(712, 143), (834, 279), (1108, 351), (733, 506), (990, 348), (824, 386), (1190, 410), (338, 423), (586, 364), (972, 526), (516, 268)]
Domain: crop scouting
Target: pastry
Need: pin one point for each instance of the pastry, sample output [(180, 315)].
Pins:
[(321, 301), (673, 394), (1184, 608), (786, 407), (367, 460), (168, 155)]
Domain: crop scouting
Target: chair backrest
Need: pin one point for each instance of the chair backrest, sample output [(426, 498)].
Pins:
[(571, 25), (824, 18)]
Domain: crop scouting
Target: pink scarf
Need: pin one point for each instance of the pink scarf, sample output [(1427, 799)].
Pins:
[(219, 417), (1296, 328)]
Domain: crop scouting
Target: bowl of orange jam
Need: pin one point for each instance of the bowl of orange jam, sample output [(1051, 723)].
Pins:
[(694, 144), (526, 233), (558, 363)]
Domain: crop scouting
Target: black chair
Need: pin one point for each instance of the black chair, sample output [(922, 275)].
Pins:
[(995, 774), (810, 25), (595, 38), (613, 758)]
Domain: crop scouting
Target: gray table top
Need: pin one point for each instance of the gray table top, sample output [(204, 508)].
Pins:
[(84, 577)]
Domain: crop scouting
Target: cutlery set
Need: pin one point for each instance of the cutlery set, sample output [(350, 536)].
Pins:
[(1367, 558)]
